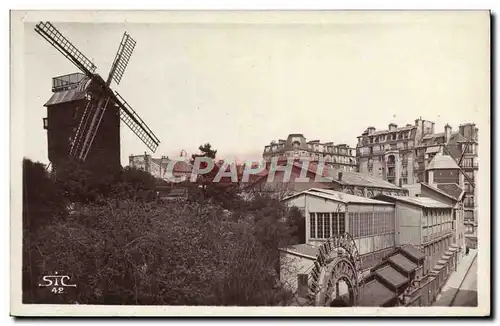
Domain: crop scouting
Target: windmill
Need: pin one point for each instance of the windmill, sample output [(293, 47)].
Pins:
[(83, 102)]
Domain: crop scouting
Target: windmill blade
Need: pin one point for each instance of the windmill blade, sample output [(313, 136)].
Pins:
[(136, 124), (88, 127), (122, 58), (54, 37)]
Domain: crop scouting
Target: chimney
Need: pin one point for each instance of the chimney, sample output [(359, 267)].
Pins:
[(340, 175), (447, 133), (392, 126)]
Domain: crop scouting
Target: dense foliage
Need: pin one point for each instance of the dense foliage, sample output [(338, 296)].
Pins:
[(119, 248)]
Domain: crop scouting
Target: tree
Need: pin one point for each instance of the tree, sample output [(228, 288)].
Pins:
[(176, 254), (82, 183), (134, 184), (41, 198), (205, 189), (297, 224), (206, 151), (43, 204)]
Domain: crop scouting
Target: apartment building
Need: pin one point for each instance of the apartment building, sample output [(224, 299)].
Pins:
[(296, 146), (401, 155), (390, 154)]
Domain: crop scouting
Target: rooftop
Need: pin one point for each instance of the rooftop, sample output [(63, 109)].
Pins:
[(351, 178), (442, 162), (303, 249), (403, 262), (375, 294), (338, 196), (381, 132), (451, 189), (418, 201), (412, 251), (392, 276)]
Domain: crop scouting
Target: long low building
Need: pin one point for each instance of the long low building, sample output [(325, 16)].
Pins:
[(329, 212), (419, 228)]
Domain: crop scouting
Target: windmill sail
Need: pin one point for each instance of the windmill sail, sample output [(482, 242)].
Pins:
[(136, 124), (121, 59), (100, 94), (54, 37)]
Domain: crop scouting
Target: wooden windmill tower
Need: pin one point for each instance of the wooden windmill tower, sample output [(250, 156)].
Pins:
[(84, 113)]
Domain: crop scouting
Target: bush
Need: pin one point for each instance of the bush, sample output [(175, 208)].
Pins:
[(43, 204), (141, 252), (179, 254)]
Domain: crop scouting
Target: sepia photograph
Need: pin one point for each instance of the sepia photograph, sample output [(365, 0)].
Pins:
[(294, 163)]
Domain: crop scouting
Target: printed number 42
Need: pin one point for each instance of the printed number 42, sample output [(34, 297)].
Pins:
[(57, 290)]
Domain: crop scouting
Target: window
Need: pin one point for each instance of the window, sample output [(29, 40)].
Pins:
[(335, 226), (363, 226), (45, 123), (312, 219), (326, 225), (467, 162), (320, 226), (341, 222)]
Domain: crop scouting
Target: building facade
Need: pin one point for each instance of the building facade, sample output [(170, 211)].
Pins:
[(406, 246), (428, 225), (296, 146), (424, 223), (402, 155), (328, 213), (464, 147)]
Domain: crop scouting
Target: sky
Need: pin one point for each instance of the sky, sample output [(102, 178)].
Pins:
[(241, 85)]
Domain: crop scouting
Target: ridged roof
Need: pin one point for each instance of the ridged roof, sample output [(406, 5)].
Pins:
[(442, 162), (303, 248), (391, 275), (403, 263), (339, 197), (451, 189), (375, 294), (418, 201)]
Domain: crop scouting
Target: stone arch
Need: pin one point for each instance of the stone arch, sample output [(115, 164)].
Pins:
[(337, 260)]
